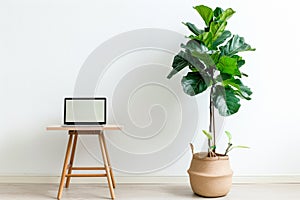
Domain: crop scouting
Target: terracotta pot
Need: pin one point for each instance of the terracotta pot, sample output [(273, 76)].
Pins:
[(210, 176)]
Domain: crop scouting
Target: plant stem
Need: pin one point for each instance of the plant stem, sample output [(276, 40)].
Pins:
[(227, 149), (214, 124), (210, 119), (212, 128)]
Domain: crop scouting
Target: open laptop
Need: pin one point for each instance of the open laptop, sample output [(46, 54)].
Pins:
[(84, 111)]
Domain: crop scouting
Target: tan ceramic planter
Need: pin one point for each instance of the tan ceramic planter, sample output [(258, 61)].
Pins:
[(210, 177)]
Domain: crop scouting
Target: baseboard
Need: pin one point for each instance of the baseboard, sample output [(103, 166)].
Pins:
[(270, 179), (119, 179), (274, 179)]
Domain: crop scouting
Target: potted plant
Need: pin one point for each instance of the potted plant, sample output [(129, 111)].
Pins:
[(212, 57)]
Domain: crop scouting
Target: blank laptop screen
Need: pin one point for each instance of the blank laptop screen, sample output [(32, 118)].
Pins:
[(85, 111)]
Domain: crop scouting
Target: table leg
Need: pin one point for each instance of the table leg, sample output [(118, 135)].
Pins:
[(72, 159), (106, 166), (63, 174), (108, 161)]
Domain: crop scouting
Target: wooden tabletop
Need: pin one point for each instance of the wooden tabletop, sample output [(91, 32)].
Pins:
[(83, 128)]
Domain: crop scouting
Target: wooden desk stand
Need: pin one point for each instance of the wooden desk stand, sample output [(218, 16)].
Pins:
[(70, 154)]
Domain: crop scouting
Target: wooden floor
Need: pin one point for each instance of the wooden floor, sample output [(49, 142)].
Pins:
[(145, 191)]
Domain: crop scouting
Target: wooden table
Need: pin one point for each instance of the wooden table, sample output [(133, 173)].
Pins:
[(68, 167)]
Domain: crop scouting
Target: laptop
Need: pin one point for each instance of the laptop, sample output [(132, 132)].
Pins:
[(84, 111)]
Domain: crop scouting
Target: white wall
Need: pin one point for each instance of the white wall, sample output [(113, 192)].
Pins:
[(43, 45)]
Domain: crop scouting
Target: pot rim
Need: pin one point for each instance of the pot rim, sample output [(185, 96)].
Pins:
[(203, 156)]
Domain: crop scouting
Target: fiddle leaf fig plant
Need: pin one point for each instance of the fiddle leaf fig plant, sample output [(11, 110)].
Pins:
[(212, 56)]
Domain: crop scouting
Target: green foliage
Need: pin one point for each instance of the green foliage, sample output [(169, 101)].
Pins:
[(225, 100), (205, 12), (235, 45), (193, 28), (222, 38), (193, 84), (228, 134), (211, 148), (230, 147), (225, 15), (212, 56), (228, 65), (207, 134), (239, 147), (178, 64)]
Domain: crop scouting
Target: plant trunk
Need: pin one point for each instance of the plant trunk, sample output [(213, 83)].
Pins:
[(212, 118)]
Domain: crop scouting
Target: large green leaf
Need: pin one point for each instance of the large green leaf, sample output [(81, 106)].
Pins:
[(234, 45), (245, 89), (224, 16), (193, 28), (228, 65), (205, 12), (225, 100), (241, 90), (218, 11), (194, 83), (224, 76), (200, 51), (205, 38), (205, 58), (240, 60), (224, 36), (215, 56), (242, 94), (193, 61), (194, 45), (216, 29), (178, 64), (183, 59)]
